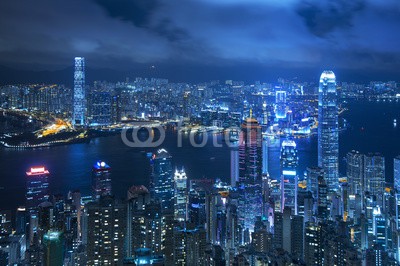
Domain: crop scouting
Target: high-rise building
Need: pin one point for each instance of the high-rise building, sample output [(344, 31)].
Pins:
[(328, 129), (234, 164), (106, 229), (101, 179), (265, 114), (162, 186), (280, 104), (312, 179), (250, 152), (289, 162), (313, 244), (366, 173), (297, 236), (322, 199), (180, 195), (265, 156), (79, 112), (374, 176), (355, 172), (53, 248), (37, 185), (396, 173)]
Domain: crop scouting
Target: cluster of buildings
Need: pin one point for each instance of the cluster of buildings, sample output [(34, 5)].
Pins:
[(213, 103), (253, 219)]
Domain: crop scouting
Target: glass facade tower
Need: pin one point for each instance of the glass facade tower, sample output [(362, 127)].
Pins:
[(289, 162), (163, 179), (79, 113), (328, 129)]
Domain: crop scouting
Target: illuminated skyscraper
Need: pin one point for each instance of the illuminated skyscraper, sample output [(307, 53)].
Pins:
[(265, 156), (180, 195), (265, 114), (162, 187), (280, 104), (374, 176), (79, 113), (289, 162), (37, 185), (234, 164), (355, 172), (328, 129), (106, 230), (101, 179), (396, 174), (250, 152)]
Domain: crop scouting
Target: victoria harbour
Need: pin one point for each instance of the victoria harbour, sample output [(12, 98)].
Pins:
[(203, 132), (370, 129)]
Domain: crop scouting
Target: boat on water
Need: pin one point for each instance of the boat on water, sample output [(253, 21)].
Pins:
[(394, 122)]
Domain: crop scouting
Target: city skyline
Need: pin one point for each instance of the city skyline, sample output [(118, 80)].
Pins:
[(209, 133)]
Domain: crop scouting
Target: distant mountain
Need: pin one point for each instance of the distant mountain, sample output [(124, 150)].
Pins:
[(63, 76), (192, 73)]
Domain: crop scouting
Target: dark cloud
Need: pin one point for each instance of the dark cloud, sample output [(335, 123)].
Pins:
[(323, 17), (136, 11), (204, 35), (165, 28)]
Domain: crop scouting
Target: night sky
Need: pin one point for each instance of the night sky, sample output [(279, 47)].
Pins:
[(195, 40)]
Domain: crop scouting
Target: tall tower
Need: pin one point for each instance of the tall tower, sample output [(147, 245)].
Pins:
[(328, 129), (374, 176), (289, 162), (37, 185), (101, 179), (162, 179), (79, 113), (355, 172), (180, 195), (280, 104), (250, 152), (396, 173), (234, 164)]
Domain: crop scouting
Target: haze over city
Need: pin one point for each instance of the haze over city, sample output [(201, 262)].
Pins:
[(202, 40)]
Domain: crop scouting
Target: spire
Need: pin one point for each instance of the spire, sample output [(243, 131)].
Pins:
[(251, 112)]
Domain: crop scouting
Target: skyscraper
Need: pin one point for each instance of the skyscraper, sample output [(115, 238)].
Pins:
[(79, 113), (234, 164), (250, 152), (374, 176), (265, 156), (106, 229), (396, 173), (162, 179), (289, 162), (37, 185), (312, 179), (355, 172), (101, 179), (280, 104), (180, 195), (328, 129), (313, 244)]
